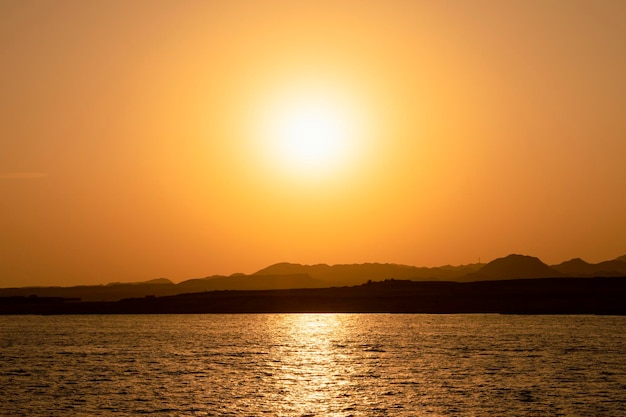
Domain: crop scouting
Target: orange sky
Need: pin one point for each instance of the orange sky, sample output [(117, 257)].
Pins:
[(134, 141)]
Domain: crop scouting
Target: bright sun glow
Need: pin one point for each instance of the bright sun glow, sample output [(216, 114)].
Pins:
[(311, 133)]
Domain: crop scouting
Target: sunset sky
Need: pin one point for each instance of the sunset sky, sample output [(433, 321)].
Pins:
[(180, 139)]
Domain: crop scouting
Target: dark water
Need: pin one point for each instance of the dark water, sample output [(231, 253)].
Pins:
[(313, 365)]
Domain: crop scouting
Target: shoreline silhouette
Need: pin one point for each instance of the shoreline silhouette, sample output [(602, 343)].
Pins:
[(602, 295)]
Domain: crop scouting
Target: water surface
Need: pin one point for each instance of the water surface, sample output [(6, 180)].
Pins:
[(313, 365)]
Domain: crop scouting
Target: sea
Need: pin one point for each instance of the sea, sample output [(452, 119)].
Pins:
[(308, 365)]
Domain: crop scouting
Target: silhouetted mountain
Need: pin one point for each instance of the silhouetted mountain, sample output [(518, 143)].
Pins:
[(294, 276), (152, 281), (575, 268), (621, 258), (611, 268), (118, 291), (157, 281), (579, 268), (250, 282), (513, 267), (356, 274)]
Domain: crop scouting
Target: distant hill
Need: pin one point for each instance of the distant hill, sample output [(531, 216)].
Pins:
[(156, 281), (356, 274), (579, 268), (296, 276), (152, 281), (611, 268), (251, 282), (118, 291), (575, 267), (513, 267)]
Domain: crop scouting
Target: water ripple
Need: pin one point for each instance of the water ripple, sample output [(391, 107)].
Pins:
[(313, 365)]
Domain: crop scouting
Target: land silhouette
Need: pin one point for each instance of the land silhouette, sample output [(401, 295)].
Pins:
[(515, 283), (295, 276), (517, 296)]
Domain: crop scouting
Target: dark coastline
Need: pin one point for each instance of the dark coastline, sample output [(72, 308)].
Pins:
[(521, 296)]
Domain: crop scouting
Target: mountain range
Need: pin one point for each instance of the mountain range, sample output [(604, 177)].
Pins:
[(293, 276)]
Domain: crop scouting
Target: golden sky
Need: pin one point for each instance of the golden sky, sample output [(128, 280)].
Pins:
[(144, 139)]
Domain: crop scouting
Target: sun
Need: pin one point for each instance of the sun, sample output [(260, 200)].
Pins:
[(311, 133)]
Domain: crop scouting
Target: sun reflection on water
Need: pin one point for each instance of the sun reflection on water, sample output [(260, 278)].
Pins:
[(313, 373)]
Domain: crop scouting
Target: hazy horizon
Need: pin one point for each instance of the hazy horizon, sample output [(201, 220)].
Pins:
[(151, 139)]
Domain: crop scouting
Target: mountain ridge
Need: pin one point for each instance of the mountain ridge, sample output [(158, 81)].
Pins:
[(285, 275), (355, 274), (513, 266)]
